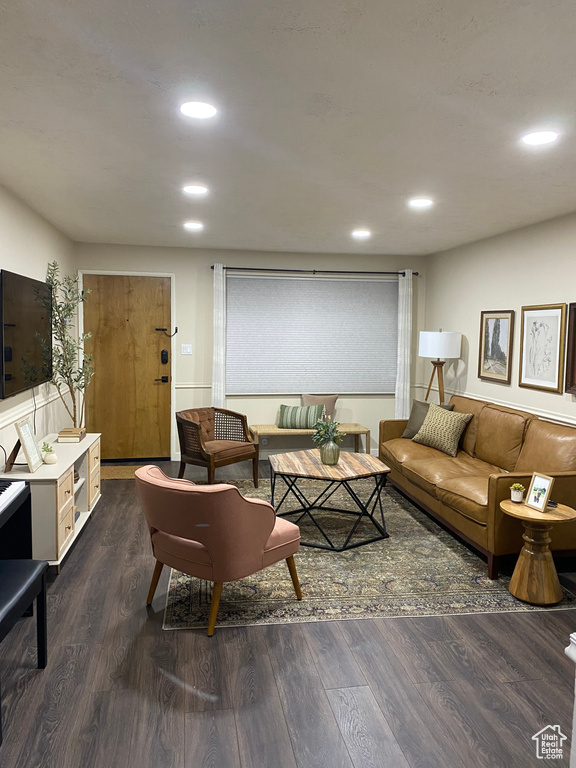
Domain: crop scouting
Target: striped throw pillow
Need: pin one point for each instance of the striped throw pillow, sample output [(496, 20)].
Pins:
[(299, 416)]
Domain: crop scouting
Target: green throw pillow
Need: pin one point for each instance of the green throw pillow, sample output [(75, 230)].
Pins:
[(417, 415), (299, 416), (442, 429)]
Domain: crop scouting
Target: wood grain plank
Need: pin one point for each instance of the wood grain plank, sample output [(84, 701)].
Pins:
[(334, 661), (211, 740), (207, 678), (409, 717), (263, 736), (368, 736), (316, 738)]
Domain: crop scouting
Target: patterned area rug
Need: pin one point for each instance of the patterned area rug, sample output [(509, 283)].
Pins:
[(420, 570)]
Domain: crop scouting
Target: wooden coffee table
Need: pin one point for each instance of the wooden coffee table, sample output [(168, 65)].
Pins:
[(306, 465), (535, 579)]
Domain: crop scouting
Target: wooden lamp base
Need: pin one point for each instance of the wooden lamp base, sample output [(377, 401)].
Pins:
[(437, 370)]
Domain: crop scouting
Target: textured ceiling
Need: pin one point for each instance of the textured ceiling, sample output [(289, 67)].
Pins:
[(331, 114)]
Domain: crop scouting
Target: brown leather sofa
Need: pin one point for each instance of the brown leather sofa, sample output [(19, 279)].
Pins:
[(500, 446)]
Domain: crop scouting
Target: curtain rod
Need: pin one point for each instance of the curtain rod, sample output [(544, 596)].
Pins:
[(312, 271)]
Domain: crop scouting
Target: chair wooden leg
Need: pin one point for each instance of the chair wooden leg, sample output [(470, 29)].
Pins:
[(211, 473), (255, 471), (181, 470), (216, 592), (154, 582), (292, 568)]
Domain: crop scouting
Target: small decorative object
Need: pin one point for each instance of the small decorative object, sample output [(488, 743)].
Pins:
[(49, 457), (327, 437), (539, 491), (517, 492), (542, 347), (495, 348)]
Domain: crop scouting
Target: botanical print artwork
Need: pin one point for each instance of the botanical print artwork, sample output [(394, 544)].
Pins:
[(542, 346), (542, 340)]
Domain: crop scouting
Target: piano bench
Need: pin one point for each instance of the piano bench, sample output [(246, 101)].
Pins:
[(22, 581)]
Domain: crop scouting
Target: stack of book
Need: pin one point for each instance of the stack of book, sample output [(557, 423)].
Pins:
[(71, 434)]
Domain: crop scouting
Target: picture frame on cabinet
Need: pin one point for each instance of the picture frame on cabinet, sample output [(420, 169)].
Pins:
[(542, 339), (495, 347), (29, 445), (571, 351)]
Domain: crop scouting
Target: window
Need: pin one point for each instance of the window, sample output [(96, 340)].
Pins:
[(288, 335)]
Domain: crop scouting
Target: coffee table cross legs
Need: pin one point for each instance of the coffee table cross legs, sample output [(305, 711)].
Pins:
[(306, 465)]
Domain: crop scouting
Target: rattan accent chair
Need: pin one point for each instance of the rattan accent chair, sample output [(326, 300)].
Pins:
[(215, 437)]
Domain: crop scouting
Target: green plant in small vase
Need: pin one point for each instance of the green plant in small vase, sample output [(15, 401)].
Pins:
[(328, 437), (517, 492), (49, 456)]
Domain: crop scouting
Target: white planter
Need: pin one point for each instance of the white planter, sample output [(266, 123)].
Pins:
[(50, 458), (516, 496)]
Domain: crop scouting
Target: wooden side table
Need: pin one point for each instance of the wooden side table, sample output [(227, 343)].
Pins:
[(535, 579)]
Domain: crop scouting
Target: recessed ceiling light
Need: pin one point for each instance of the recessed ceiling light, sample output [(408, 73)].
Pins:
[(361, 234), (193, 226), (194, 189), (198, 109), (540, 137), (420, 202)]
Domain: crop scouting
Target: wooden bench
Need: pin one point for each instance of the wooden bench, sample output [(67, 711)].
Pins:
[(271, 430)]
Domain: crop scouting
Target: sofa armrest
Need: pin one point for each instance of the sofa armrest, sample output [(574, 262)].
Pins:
[(563, 491), (391, 428)]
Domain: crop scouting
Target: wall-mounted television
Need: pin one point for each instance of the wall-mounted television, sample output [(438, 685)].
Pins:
[(26, 321)]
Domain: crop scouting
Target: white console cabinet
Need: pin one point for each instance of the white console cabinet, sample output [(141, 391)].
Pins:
[(61, 505)]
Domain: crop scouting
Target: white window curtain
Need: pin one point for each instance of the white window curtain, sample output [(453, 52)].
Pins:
[(289, 335), (403, 399), (219, 343)]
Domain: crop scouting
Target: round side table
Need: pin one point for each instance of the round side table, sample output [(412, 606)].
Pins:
[(535, 579)]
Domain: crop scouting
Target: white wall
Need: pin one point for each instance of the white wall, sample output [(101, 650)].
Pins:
[(27, 243), (534, 265), (193, 279)]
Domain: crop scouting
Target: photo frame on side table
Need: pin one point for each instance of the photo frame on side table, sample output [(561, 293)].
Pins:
[(495, 348), (539, 492), (29, 444), (542, 347), (571, 351)]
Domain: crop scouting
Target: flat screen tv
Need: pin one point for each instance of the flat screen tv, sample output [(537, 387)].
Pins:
[(26, 318)]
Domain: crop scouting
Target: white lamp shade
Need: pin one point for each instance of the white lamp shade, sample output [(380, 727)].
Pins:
[(440, 344)]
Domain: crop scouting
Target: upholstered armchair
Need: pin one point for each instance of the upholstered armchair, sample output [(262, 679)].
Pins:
[(212, 532), (215, 437)]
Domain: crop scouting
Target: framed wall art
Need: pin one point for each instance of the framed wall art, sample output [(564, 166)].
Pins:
[(542, 347), (495, 348), (571, 351)]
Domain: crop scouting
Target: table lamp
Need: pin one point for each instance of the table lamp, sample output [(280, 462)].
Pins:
[(445, 344)]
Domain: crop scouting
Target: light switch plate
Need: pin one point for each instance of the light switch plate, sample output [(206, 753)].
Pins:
[(186, 349)]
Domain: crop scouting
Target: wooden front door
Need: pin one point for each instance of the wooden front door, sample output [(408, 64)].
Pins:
[(128, 399)]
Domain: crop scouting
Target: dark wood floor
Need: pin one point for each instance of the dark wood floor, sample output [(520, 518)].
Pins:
[(118, 692)]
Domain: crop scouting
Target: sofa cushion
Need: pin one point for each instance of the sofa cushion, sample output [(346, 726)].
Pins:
[(417, 415), (500, 435), (548, 448), (442, 429), (427, 473), (468, 405), (467, 495), (228, 449), (299, 416), (399, 450)]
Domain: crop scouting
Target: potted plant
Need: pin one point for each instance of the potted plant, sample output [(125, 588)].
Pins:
[(328, 437), (72, 369), (517, 492), (49, 457)]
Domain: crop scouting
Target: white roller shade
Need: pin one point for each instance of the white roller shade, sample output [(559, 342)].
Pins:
[(290, 335)]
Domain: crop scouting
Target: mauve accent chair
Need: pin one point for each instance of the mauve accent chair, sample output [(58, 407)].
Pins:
[(215, 437), (212, 532)]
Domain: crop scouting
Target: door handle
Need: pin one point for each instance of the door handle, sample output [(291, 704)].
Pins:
[(163, 379)]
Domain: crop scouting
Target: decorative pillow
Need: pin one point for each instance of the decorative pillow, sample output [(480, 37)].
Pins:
[(442, 429), (328, 401), (299, 417), (417, 415)]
